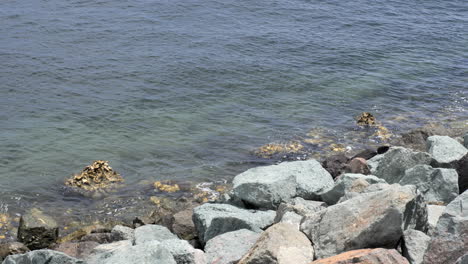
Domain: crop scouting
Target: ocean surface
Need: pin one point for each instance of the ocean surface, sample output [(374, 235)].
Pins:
[(186, 89)]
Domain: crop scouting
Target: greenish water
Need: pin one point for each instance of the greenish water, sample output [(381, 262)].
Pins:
[(186, 90)]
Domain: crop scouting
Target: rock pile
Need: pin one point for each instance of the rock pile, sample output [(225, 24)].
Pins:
[(405, 208)]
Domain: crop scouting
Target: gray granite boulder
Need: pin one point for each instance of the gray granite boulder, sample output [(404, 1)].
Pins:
[(348, 183), (267, 187), (392, 165), (294, 211), (445, 150), (280, 244), (37, 230), (375, 219), (183, 252), (43, 256), (215, 219), (433, 214), (120, 232), (147, 253), (229, 247), (449, 240), (152, 232), (437, 185), (414, 245)]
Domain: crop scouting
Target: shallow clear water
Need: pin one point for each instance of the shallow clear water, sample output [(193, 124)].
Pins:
[(186, 89)]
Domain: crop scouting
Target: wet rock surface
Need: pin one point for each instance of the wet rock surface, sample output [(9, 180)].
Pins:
[(37, 230)]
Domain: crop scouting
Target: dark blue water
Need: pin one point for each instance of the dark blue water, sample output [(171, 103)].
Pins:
[(186, 89)]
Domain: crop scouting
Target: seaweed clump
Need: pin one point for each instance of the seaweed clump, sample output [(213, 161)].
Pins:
[(96, 176)]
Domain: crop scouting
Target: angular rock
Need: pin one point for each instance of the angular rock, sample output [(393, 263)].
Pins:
[(336, 164), (366, 154), (462, 169), (445, 150), (37, 230), (152, 233), (183, 225), (437, 185), (349, 183), (229, 247), (12, 248), (294, 211), (465, 140), (267, 187), (392, 165), (44, 256), (433, 214), (414, 245), (365, 256), (77, 249), (103, 248), (120, 232), (181, 250), (463, 259), (358, 166), (416, 138), (280, 244), (450, 239), (215, 219), (375, 219), (147, 253)]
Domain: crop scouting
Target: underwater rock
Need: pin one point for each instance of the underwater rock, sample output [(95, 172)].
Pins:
[(365, 119), (272, 150), (95, 177)]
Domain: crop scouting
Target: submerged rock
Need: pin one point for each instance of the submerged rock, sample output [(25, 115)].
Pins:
[(365, 119), (212, 220), (280, 244), (95, 178), (37, 230), (450, 238), (365, 256), (375, 219), (267, 187)]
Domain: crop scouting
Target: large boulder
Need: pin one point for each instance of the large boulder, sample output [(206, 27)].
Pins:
[(152, 233), (437, 185), (281, 243), (348, 183), (359, 166), (392, 165), (365, 256), (37, 230), (44, 256), (450, 239), (229, 247), (294, 211), (445, 150), (146, 253), (416, 138), (462, 169), (414, 245), (183, 225), (183, 252), (375, 219), (215, 219), (267, 187)]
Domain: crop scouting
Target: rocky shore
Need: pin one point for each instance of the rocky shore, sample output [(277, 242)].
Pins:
[(401, 203)]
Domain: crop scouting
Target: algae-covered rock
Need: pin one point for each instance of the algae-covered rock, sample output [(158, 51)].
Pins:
[(365, 119), (37, 230), (96, 176)]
